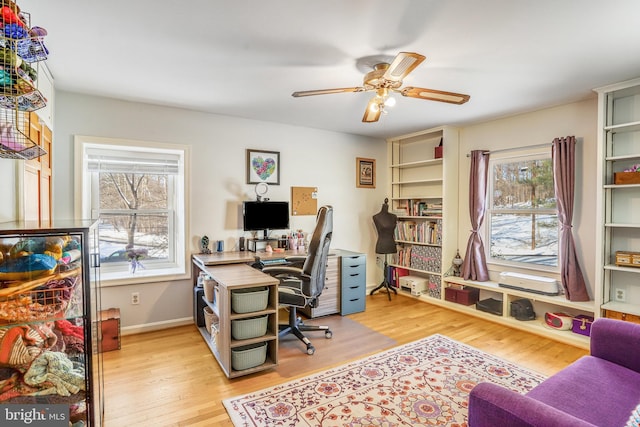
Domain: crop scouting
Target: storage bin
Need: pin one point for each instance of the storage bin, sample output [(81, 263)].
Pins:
[(250, 299), (582, 324), (624, 178), (210, 319), (628, 259), (248, 356), (249, 328), (465, 296), (208, 285)]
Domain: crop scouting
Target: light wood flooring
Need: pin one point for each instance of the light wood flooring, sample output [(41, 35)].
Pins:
[(169, 377)]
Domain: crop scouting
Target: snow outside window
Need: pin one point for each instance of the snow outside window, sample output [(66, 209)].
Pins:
[(522, 218), (137, 195)]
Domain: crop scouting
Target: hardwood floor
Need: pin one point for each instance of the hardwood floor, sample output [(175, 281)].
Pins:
[(169, 377)]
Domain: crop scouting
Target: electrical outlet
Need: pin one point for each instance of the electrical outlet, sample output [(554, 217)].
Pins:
[(620, 294), (135, 298)]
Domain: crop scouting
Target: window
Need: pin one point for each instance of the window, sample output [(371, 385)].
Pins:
[(137, 192), (522, 218)]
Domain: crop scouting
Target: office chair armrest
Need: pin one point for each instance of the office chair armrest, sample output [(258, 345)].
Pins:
[(296, 260), (282, 269)]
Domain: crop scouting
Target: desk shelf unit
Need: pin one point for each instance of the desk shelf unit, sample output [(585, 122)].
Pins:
[(618, 149), (424, 196), (239, 277)]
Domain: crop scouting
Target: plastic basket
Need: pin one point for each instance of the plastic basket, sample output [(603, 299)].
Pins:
[(248, 356), (249, 300), (249, 328), (210, 319)]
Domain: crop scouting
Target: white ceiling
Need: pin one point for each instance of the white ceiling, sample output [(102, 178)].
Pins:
[(245, 58)]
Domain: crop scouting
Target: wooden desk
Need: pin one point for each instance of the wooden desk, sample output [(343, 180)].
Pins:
[(233, 277), (239, 257)]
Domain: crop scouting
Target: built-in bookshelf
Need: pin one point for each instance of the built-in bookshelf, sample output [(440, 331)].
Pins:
[(618, 269), (424, 196)]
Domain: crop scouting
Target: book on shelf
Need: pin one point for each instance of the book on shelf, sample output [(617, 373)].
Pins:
[(419, 231), (418, 207), (394, 275)]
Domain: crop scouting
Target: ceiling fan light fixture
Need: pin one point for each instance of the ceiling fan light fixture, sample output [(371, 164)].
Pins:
[(390, 101)]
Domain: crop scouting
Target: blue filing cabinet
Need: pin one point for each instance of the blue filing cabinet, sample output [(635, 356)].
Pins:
[(353, 278)]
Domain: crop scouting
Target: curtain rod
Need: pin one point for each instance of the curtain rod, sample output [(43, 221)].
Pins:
[(515, 148)]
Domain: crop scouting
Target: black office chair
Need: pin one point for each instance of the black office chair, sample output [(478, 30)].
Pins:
[(301, 287)]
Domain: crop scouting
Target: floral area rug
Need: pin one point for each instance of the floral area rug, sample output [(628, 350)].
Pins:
[(426, 382)]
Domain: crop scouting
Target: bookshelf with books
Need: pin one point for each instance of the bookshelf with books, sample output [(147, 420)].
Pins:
[(424, 196)]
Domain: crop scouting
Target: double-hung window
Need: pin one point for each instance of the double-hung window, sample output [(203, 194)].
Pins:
[(521, 217), (136, 190)]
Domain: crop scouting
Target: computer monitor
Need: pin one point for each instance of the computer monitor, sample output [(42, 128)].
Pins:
[(265, 216)]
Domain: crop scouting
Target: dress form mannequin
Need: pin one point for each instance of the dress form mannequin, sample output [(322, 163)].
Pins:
[(385, 223)]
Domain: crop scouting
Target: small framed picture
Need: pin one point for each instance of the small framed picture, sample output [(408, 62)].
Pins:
[(263, 166), (365, 173)]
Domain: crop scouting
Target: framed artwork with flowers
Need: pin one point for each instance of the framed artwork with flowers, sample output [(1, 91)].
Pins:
[(263, 166)]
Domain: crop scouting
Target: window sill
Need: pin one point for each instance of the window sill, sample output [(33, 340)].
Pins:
[(141, 276)]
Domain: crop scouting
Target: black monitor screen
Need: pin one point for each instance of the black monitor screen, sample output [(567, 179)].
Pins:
[(266, 216)]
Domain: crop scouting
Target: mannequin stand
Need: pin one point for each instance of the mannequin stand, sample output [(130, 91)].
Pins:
[(385, 282)]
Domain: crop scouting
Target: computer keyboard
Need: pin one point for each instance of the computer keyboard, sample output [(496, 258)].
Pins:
[(273, 261)]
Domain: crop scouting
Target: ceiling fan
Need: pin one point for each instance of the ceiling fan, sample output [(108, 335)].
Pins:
[(387, 77)]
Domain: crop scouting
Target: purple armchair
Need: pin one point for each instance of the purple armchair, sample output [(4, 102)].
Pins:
[(601, 389)]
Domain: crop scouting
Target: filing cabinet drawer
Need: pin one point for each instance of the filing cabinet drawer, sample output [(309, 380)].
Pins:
[(350, 261), (353, 305), (353, 284)]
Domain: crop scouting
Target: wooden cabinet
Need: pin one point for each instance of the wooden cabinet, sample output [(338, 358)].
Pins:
[(232, 341), (618, 285), (329, 300), (36, 194), (424, 196), (49, 323)]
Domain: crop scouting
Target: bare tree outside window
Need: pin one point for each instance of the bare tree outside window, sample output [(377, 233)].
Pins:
[(523, 220), (134, 216)]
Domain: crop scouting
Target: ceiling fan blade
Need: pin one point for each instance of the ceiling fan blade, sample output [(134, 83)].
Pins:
[(326, 91), (402, 65), (372, 114), (434, 95)]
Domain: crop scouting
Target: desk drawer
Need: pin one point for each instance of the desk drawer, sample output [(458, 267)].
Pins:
[(353, 261)]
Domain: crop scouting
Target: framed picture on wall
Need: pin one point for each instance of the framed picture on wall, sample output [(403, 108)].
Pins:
[(263, 166), (365, 173)]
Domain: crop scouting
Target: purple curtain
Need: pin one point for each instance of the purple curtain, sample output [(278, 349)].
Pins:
[(564, 158), (475, 263)]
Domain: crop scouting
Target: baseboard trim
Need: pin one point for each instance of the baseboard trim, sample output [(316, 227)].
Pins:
[(156, 326)]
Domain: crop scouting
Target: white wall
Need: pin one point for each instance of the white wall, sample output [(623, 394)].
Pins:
[(309, 158), (578, 119), (8, 189)]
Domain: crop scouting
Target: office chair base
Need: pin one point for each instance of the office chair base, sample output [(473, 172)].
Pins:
[(296, 326)]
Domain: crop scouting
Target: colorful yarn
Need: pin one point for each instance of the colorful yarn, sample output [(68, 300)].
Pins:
[(10, 17), (15, 31), (5, 78)]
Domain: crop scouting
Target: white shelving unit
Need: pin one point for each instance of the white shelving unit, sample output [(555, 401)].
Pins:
[(618, 204), (418, 177)]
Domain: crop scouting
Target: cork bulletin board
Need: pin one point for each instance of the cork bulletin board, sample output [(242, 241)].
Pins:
[(304, 200)]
